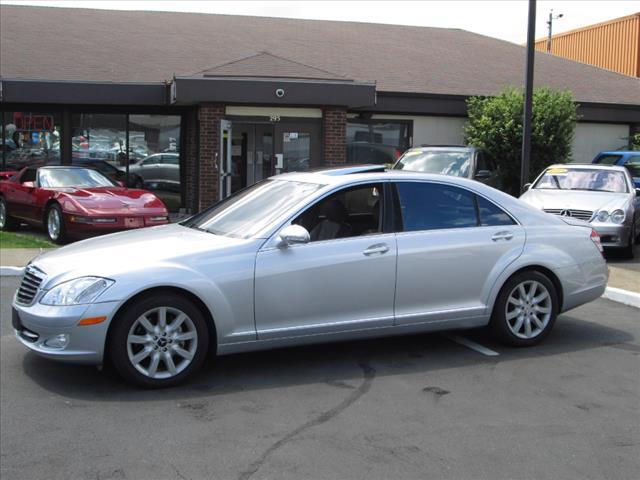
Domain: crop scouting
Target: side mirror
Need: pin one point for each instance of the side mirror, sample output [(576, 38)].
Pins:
[(29, 184), (293, 234), (525, 187), (482, 174)]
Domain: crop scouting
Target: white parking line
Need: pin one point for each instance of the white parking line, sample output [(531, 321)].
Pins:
[(472, 345)]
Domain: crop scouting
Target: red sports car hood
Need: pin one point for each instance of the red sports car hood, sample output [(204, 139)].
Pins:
[(113, 200)]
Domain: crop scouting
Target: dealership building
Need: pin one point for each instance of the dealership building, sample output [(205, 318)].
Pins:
[(202, 105)]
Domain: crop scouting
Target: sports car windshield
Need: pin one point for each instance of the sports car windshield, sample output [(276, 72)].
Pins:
[(72, 177), (447, 162), (252, 209), (588, 179)]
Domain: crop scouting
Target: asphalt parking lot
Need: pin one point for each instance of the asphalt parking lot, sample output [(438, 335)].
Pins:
[(412, 407)]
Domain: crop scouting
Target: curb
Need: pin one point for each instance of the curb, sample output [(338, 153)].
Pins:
[(11, 271), (622, 296)]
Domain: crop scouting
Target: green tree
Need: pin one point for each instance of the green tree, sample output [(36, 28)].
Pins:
[(495, 123), (635, 141)]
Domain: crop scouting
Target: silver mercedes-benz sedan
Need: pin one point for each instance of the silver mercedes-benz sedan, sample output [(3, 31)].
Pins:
[(309, 257), (603, 195)]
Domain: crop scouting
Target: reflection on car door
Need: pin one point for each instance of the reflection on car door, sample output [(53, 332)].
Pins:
[(330, 284), (21, 199), (448, 259)]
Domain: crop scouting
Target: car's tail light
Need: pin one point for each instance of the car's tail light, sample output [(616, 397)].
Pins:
[(595, 238)]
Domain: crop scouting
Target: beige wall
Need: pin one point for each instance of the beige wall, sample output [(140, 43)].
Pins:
[(592, 138)]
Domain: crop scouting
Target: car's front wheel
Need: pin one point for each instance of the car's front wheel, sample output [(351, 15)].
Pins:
[(54, 222), (526, 309), (7, 222), (159, 341)]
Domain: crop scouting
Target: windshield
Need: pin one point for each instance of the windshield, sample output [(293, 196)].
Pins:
[(582, 179), (248, 211), (447, 162), (72, 177)]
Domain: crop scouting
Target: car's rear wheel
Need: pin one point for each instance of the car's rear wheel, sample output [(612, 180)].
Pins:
[(159, 341), (526, 309), (7, 222), (54, 222)]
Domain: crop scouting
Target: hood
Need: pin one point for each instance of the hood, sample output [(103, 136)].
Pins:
[(112, 199), (574, 199), (110, 255)]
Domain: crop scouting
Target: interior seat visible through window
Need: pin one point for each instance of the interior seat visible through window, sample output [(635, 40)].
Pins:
[(351, 212)]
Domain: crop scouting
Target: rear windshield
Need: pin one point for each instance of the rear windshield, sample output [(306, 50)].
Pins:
[(608, 159), (446, 162), (588, 179)]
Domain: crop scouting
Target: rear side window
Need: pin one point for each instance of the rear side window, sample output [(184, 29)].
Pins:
[(491, 215), (433, 206)]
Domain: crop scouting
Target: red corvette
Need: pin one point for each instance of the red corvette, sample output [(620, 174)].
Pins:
[(75, 202)]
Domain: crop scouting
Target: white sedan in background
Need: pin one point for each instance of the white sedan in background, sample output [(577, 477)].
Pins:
[(603, 195)]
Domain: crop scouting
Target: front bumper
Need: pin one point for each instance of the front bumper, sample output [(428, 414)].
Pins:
[(613, 235), (36, 326)]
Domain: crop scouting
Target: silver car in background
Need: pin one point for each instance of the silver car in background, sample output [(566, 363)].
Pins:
[(304, 258), (603, 195)]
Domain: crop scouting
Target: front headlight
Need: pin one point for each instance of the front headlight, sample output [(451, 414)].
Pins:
[(79, 291), (602, 216), (617, 216)]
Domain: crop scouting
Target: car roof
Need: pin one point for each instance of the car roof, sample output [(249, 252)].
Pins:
[(620, 152), (459, 148)]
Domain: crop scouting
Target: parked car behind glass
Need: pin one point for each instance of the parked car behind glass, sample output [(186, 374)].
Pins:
[(160, 171), (305, 258)]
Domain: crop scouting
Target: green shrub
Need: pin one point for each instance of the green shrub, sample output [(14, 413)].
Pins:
[(495, 123)]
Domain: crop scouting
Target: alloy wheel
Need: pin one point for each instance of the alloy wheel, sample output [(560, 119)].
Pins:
[(53, 224), (162, 342), (3, 214), (528, 309)]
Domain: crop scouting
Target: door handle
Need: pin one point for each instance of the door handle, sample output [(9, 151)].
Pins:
[(502, 236), (379, 248)]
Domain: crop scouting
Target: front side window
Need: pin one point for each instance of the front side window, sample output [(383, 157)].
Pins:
[(249, 211), (72, 177), (433, 206), (446, 162), (352, 212), (588, 179)]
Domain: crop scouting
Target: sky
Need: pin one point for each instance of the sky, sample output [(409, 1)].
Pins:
[(505, 19)]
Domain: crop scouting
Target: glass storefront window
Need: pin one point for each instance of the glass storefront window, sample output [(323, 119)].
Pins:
[(154, 155), (30, 138), (97, 136), (296, 151), (376, 141)]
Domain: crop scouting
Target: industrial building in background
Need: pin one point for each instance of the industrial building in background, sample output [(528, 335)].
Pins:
[(613, 45)]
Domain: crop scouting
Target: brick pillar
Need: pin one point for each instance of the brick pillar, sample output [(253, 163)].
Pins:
[(334, 135), (209, 117)]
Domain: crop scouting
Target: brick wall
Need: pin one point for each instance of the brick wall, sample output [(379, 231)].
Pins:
[(334, 133), (209, 116)]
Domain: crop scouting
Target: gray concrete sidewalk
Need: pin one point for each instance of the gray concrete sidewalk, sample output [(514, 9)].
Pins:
[(18, 257)]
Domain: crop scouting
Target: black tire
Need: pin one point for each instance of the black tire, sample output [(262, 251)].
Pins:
[(627, 252), (61, 238), (499, 323), (118, 346), (9, 223)]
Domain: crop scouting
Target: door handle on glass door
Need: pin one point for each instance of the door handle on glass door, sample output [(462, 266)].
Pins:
[(377, 248), (502, 236)]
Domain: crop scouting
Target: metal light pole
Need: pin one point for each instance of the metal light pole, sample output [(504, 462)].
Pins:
[(550, 28), (528, 96)]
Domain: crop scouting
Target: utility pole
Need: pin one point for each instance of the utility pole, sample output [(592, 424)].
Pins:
[(528, 96), (550, 28)]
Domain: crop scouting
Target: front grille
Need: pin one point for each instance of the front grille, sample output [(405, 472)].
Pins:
[(566, 212), (31, 281)]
